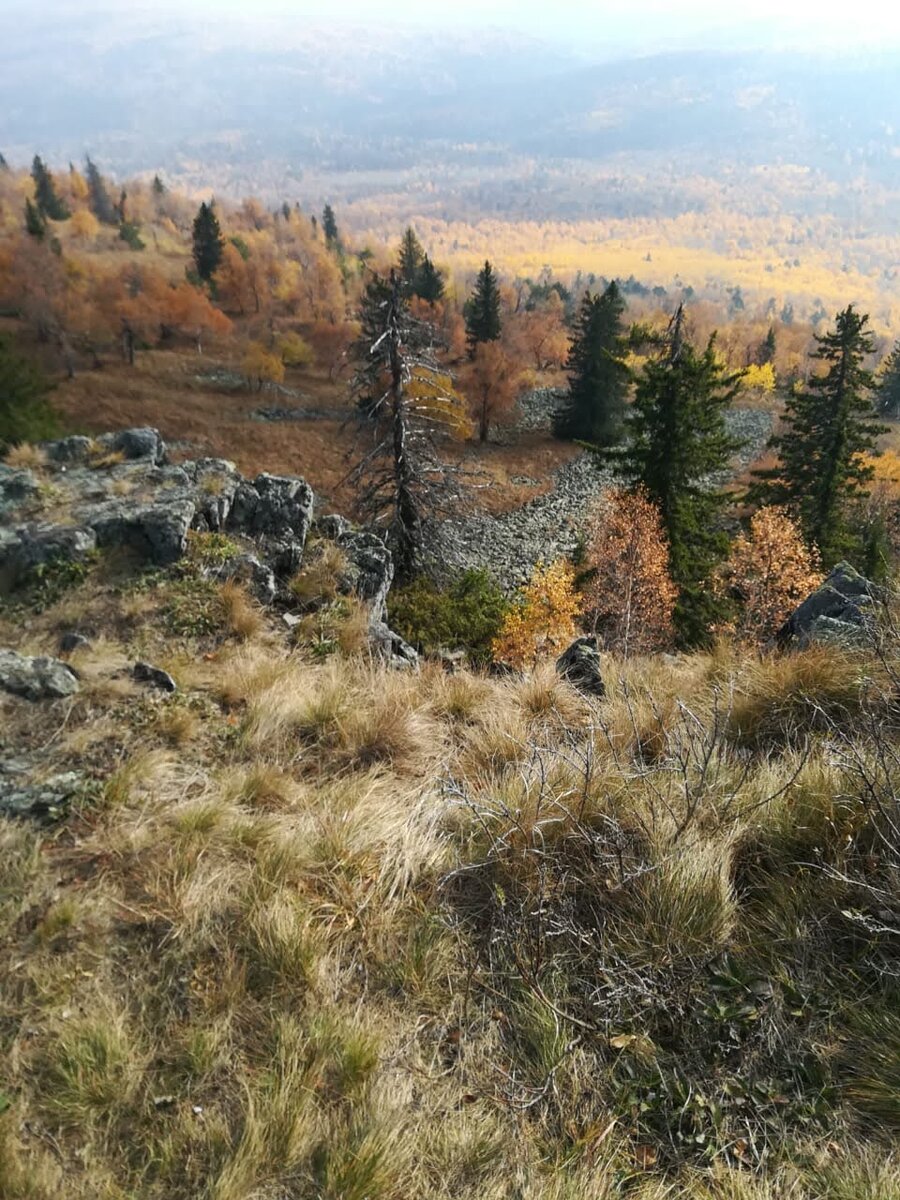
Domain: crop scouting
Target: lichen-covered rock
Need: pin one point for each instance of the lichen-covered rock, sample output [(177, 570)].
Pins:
[(17, 487), (389, 647), (136, 444), (46, 801), (580, 665), (216, 481), (273, 506), (839, 611), (370, 570), (333, 526), (72, 641), (37, 678), (255, 575), (156, 532), (30, 546), (74, 449)]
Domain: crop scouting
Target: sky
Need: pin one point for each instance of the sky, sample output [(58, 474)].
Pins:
[(595, 23)]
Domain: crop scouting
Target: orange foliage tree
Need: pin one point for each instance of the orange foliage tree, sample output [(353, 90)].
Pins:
[(770, 571), (631, 597), (542, 622), (491, 382)]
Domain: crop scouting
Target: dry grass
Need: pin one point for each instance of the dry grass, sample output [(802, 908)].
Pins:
[(241, 614), (318, 929), (26, 457)]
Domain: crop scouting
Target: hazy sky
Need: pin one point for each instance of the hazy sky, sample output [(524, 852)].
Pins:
[(630, 22)]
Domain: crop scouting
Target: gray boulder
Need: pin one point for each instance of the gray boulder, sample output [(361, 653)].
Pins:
[(75, 449), (135, 444), (333, 526), (840, 610), (216, 480), (17, 486), (71, 641), (31, 546), (156, 532), (580, 665), (273, 506), (45, 801), (389, 647), (370, 571), (259, 578), (36, 678)]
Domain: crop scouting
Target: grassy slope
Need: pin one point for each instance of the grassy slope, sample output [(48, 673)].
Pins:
[(316, 930)]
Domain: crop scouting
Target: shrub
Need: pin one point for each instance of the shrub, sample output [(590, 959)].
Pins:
[(467, 615), (25, 414), (543, 620)]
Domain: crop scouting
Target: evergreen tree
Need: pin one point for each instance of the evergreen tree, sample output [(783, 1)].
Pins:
[(35, 225), (677, 441), (99, 198), (329, 226), (889, 384), (25, 415), (46, 196), (208, 241), (598, 379), (767, 347), (431, 282), (829, 426), (4, 165), (159, 188), (483, 310), (412, 256), (369, 382)]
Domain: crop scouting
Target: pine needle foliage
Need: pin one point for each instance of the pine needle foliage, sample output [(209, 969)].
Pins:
[(594, 410)]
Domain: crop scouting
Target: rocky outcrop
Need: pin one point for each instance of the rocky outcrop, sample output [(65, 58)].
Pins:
[(370, 570), (840, 611), (389, 647), (36, 678), (580, 665), (46, 801), (154, 677)]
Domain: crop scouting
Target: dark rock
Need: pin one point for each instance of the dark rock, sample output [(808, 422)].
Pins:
[(247, 569), (389, 647), (157, 531), (370, 570), (216, 480), (273, 506), (580, 665), (840, 610), (284, 555), (73, 641), (31, 546), (36, 678), (46, 801), (75, 449), (154, 677), (136, 444), (16, 487), (333, 527)]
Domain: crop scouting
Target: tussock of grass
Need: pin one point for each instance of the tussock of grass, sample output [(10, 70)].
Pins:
[(25, 456)]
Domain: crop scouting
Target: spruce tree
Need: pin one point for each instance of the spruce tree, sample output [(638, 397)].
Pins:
[(100, 200), (431, 282), (889, 384), (677, 443), (329, 226), (4, 165), (412, 255), (208, 241), (35, 225), (483, 310), (828, 427), (594, 410), (159, 188), (48, 201), (767, 347), (25, 415), (369, 381)]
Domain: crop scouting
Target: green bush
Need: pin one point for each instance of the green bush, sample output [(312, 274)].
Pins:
[(25, 414), (467, 615)]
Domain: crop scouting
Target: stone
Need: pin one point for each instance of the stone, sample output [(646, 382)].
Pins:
[(135, 444), (370, 571), (46, 801), (333, 527), (839, 610), (274, 506), (216, 481), (31, 546), (75, 449), (17, 486), (259, 578), (157, 531), (580, 665), (37, 678), (389, 647), (73, 641), (154, 677)]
